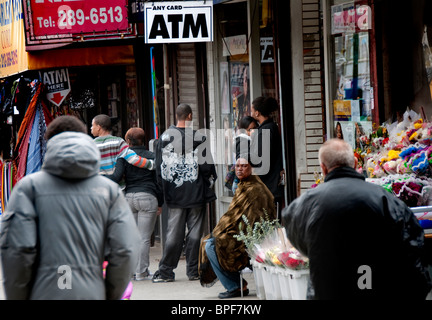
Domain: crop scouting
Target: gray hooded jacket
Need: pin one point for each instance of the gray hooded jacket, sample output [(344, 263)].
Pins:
[(59, 223)]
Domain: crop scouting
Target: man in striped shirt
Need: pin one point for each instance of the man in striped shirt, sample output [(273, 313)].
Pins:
[(112, 147)]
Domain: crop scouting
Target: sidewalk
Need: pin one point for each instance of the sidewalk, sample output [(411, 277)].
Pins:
[(180, 289)]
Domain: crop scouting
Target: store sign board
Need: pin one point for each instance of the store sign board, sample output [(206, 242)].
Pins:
[(60, 21), (178, 21), (13, 57), (350, 17), (57, 84), (52, 17), (267, 50)]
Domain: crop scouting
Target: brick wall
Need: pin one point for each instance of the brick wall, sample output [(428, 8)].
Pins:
[(313, 90)]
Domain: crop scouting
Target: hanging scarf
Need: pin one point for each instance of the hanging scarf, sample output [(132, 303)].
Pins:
[(34, 124), (6, 183)]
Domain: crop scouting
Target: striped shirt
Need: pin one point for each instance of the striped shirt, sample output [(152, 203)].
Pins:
[(112, 148)]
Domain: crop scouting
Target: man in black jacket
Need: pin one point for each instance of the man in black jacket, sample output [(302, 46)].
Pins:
[(266, 147), (362, 242), (186, 173)]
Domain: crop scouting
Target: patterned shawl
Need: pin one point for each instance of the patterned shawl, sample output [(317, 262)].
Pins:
[(251, 199)]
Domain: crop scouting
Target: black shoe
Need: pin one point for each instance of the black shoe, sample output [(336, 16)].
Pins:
[(232, 294), (193, 278), (158, 278)]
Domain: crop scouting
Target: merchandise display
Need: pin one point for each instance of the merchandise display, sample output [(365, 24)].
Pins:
[(398, 157), (280, 271)]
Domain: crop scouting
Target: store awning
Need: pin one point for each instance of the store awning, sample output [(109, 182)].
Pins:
[(75, 57)]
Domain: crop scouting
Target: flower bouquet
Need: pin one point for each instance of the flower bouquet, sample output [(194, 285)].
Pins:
[(294, 260), (266, 242)]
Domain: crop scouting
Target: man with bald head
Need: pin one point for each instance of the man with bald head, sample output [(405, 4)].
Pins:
[(362, 242)]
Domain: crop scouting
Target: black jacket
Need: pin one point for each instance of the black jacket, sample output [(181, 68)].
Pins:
[(271, 178), (185, 168), (138, 179), (347, 223)]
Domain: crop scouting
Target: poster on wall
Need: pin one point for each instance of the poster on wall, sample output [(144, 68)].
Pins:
[(234, 45), (239, 89), (225, 88), (342, 110), (362, 129), (344, 130), (350, 125), (350, 17)]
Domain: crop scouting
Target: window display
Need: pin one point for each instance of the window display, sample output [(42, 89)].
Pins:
[(352, 89)]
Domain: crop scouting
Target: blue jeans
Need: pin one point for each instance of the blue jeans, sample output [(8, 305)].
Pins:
[(230, 280)]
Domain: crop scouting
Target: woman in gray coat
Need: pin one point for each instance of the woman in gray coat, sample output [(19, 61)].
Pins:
[(61, 224)]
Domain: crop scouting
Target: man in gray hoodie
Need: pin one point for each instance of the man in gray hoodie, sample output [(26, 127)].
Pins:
[(59, 222)]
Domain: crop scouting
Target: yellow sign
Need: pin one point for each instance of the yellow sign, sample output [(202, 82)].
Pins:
[(342, 108), (13, 56)]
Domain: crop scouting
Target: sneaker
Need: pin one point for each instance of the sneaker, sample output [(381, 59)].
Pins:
[(142, 276), (158, 278), (233, 294), (193, 278)]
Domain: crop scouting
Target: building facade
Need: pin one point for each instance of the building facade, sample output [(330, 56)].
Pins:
[(332, 65)]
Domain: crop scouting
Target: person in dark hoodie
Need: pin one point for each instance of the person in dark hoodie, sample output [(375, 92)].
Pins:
[(186, 172), (59, 222), (270, 166)]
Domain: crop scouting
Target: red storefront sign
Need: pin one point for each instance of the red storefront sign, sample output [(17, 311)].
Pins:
[(56, 17)]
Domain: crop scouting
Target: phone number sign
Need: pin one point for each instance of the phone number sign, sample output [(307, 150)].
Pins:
[(54, 17)]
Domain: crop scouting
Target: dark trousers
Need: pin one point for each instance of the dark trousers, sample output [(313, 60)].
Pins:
[(178, 220)]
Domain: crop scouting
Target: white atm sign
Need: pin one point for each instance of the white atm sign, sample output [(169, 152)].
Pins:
[(57, 84), (178, 21)]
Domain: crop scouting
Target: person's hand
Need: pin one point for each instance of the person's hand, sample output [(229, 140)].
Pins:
[(159, 211)]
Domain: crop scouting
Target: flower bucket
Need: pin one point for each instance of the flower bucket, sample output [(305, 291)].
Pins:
[(276, 284), (298, 283), (258, 270), (268, 283), (284, 282)]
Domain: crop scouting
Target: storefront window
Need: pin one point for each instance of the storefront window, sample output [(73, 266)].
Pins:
[(235, 100), (352, 91)]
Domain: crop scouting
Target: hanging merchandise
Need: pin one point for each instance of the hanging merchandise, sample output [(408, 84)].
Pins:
[(6, 183), (30, 139)]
